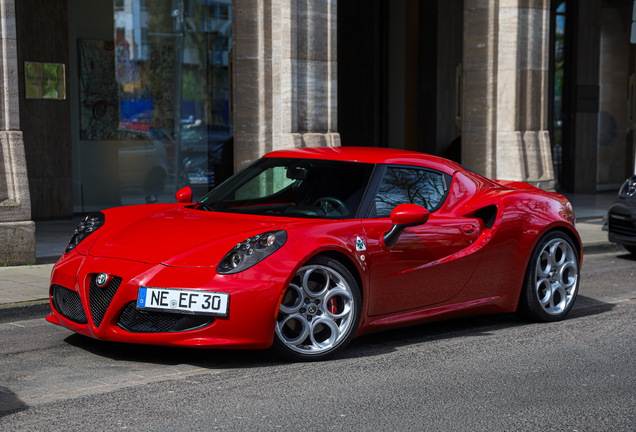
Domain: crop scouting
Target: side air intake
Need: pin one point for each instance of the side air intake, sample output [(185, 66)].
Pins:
[(488, 215)]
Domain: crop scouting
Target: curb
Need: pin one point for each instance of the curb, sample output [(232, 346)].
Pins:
[(24, 311), (598, 248)]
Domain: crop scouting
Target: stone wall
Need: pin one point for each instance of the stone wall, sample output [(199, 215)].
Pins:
[(504, 129), (285, 76), (17, 231)]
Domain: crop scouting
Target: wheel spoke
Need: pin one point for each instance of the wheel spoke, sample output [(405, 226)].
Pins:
[(559, 293), (294, 292), (544, 292), (306, 282), (567, 275), (558, 254), (317, 334), (544, 257), (552, 251), (299, 336), (334, 293)]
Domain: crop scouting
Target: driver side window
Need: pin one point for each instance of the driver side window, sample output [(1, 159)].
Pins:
[(409, 186)]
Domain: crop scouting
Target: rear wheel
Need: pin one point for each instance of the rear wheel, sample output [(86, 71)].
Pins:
[(552, 279), (320, 312)]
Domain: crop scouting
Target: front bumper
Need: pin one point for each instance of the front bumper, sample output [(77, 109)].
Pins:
[(621, 222), (255, 296)]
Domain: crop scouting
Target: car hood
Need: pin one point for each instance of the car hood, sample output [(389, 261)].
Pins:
[(178, 236)]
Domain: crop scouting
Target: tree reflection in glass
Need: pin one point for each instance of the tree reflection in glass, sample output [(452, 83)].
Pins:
[(408, 185)]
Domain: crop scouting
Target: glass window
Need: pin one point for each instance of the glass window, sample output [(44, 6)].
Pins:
[(154, 112), (409, 186), (293, 188)]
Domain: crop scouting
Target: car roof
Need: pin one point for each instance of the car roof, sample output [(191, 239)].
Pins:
[(374, 155)]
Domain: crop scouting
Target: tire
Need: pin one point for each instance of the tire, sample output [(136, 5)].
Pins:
[(630, 249), (552, 279), (310, 325)]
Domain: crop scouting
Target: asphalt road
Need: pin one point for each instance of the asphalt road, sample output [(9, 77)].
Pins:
[(493, 373)]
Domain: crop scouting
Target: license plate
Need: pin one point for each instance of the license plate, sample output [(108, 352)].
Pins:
[(183, 301)]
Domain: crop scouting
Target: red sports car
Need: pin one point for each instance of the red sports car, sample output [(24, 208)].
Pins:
[(306, 249)]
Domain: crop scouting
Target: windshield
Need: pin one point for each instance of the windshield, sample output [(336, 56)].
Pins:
[(293, 188)]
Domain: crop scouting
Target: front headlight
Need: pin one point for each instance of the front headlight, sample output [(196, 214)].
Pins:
[(629, 188), (251, 251), (87, 226)]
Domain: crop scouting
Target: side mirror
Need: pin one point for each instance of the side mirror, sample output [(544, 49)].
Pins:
[(184, 195), (404, 216)]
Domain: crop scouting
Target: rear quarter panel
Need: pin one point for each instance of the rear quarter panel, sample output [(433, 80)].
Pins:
[(524, 216)]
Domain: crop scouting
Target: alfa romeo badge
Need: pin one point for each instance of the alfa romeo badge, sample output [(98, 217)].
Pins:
[(102, 280)]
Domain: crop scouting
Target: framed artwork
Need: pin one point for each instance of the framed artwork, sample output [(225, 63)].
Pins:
[(99, 107)]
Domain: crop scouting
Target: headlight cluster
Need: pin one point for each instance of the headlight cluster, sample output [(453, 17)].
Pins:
[(87, 226), (629, 188), (251, 251)]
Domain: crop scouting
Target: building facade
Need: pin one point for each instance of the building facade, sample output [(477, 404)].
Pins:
[(120, 102)]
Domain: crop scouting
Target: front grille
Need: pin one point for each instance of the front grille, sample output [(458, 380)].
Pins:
[(136, 321), (621, 225), (67, 302), (100, 298)]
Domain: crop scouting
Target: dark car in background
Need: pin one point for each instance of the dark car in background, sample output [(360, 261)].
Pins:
[(143, 162), (201, 153), (622, 216)]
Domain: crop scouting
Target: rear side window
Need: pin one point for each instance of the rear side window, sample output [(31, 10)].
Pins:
[(409, 186)]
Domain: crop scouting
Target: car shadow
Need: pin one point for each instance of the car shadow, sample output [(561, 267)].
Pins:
[(173, 356), (627, 257), (477, 326), (10, 403), (367, 345), (587, 306)]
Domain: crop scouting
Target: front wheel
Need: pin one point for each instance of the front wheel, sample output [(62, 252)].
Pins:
[(552, 279), (320, 312)]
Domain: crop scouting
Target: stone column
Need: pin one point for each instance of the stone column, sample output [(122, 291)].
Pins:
[(504, 127), (17, 231), (285, 76)]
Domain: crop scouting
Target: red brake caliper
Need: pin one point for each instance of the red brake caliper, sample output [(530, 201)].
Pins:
[(331, 305)]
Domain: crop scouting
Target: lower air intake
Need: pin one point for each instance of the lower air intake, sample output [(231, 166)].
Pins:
[(135, 321), (67, 302)]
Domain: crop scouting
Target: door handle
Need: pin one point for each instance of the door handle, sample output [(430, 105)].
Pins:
[(468, 228)]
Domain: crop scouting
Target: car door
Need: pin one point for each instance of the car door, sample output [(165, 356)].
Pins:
[(430, 263)]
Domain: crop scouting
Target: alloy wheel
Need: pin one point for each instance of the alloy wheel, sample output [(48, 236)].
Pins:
[(317, 311), (556, 276)]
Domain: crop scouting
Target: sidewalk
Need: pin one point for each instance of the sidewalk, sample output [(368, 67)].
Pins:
[(24, 288)]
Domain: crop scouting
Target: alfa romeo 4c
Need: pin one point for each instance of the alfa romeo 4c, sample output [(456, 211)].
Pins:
[(305, 249)]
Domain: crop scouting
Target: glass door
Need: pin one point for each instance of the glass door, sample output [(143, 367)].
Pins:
[(171, 70)]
